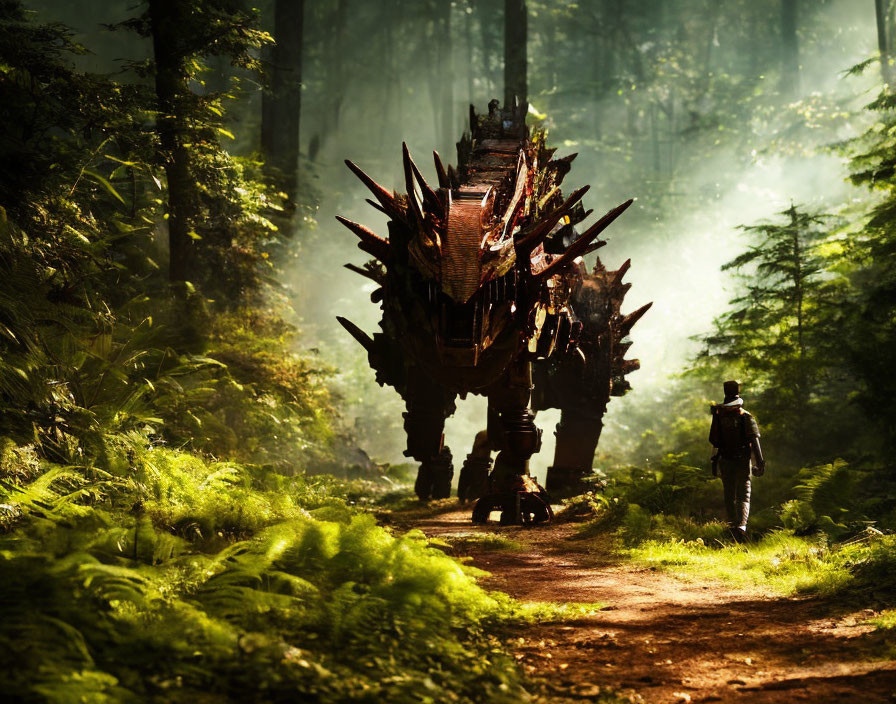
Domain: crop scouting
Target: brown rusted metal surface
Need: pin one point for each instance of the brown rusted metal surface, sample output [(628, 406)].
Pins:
[(484, 291)]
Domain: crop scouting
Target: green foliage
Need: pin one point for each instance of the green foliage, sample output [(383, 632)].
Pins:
[(886, 621), (131, 570), (175, 579), (781, 332), (461, 544), (92, 345), (780, 562), (873, 326), (786, 564), (673, 488)]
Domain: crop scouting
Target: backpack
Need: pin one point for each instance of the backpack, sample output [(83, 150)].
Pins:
[(732, 435)]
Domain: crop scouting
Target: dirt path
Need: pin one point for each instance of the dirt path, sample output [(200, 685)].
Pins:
[(663, 639)]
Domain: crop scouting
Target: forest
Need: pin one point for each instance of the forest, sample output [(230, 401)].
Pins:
[(205, 494)]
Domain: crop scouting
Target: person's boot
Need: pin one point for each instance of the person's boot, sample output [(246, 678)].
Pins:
[(739, 534)]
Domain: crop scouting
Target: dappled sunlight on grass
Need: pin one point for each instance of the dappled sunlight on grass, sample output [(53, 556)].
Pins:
[(464, 543), (780, 563)]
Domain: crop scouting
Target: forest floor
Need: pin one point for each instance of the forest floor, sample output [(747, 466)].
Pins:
[(663, 637)]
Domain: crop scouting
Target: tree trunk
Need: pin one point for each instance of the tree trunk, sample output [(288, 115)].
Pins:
[(171, 86), (485, 11), (281, 105), (515, 54), (790, 52), (445, 113), (329, 106), (468, 42), (881, 8)]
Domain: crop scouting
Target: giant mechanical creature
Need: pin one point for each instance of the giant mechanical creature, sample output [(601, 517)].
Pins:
[(484, 290)]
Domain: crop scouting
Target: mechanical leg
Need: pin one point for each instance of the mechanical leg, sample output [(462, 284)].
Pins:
[(424, 421), (512, 429), (473, 480), (577, 435)]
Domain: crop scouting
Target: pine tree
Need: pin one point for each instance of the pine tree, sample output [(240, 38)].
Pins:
[(780, 334), (872, 332)]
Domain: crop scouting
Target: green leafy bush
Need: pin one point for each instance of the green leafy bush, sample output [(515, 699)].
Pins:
[(179, 579)]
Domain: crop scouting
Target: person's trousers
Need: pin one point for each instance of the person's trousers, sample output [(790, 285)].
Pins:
[(736, 482)]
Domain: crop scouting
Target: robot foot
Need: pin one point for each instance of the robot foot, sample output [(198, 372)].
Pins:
[(526, 503), (434, 477)]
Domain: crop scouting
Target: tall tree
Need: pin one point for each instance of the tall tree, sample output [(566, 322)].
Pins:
[(873, 327), (490, 42), (516, 35), (444, 48), (882, 11), (282, 103), (781, 333), (212, 214), (167, 19), (790, 49)]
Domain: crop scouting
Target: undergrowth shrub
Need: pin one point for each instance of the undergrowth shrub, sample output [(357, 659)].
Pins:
[(672, 488), (178, 579)]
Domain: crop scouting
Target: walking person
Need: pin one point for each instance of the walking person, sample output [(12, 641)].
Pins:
[(735, 434)]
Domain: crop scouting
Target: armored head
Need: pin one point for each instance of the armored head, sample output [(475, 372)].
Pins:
[(473, 251)]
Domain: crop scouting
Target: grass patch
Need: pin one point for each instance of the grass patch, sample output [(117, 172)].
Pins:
[(780, 562), (547, 611), (465, 543), (885, 621)]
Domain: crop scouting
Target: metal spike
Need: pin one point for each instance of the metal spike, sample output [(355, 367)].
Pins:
[(370, 242), (629, 321), (377, 206), (544, 227), (594, 247), (385, 198), (440, 170), (453, 179), (620, 272), (366, 273), (413, 203), (577, 248), (629, 365), (429, 196), (362, 337)]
